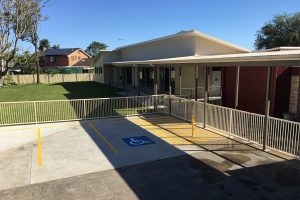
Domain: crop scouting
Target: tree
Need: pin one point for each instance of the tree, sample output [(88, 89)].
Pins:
[(94, 48), (32, 35), (56, 46), (44, 45), (26, 62), (15, 19), (283, 30)]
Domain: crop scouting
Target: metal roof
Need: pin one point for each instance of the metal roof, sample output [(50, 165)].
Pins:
[(241, 58), (62, 52)]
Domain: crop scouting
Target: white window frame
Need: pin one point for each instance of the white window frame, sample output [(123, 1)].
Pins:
[(52, 59)]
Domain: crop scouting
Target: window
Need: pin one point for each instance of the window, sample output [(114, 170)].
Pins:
[(52, 59), (98, 70), (42, 60)]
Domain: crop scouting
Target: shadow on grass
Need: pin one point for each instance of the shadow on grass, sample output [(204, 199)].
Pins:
[(87, 90)]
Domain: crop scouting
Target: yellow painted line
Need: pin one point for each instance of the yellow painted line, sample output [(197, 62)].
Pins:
[(104, 139), (39, 147)]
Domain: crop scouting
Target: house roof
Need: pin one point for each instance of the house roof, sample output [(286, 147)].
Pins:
[(62, 52), (241, 58), (278, 49), (187, 34)]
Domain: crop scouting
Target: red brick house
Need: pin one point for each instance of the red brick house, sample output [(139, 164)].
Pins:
[(67, 57)]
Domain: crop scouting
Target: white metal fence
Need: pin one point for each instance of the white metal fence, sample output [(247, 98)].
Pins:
[(214, 91), (282, 135), (65, 110)]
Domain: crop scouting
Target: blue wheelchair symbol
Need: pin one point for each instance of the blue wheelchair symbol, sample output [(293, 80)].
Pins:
[(138, 141)]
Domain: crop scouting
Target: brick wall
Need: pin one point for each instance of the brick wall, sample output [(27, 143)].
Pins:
[(59, 61), (76, 57), (295, 94)]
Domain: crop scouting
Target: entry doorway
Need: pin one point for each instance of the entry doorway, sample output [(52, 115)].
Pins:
[(167, 74), (129, 75)]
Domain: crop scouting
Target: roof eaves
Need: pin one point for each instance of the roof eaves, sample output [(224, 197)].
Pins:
[(243, 57)]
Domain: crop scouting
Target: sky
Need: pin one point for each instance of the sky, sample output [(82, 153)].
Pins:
[(76, 23)]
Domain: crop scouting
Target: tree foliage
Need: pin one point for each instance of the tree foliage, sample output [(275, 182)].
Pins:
[(44, 44), (283, 30), (94, 48), (56, 46), (32, 34), (15, 23), (26, 62)]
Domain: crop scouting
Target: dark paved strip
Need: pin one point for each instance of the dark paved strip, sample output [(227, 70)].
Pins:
[(183, 177)]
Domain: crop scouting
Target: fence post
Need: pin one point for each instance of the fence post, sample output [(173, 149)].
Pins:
[(126, 106), (205, 97), (84, 109), (267, 106), (230, 123), (63, 78), (76, 77), (185, 109), (48, 78), (33, 78), (35, 112), (179, 107), (89, 76), (155, 103), (18, 79), (299, 142)]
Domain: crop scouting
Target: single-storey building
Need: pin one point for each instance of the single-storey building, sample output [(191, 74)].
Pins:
[(180, 63), (183, 44)]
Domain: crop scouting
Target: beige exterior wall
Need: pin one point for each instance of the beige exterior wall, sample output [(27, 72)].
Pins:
[(188, 80), (161, 49), (99, 78), (168, 48), (55, 78), (98, 62), (111, 56), (207, 47)]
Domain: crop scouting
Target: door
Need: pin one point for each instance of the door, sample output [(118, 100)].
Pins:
[(166, 77)]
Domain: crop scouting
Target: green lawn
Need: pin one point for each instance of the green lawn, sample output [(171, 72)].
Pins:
[(58, 91), (30, 112)]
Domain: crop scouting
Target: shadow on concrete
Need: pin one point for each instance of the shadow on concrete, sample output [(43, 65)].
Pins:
[(207, 174)]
